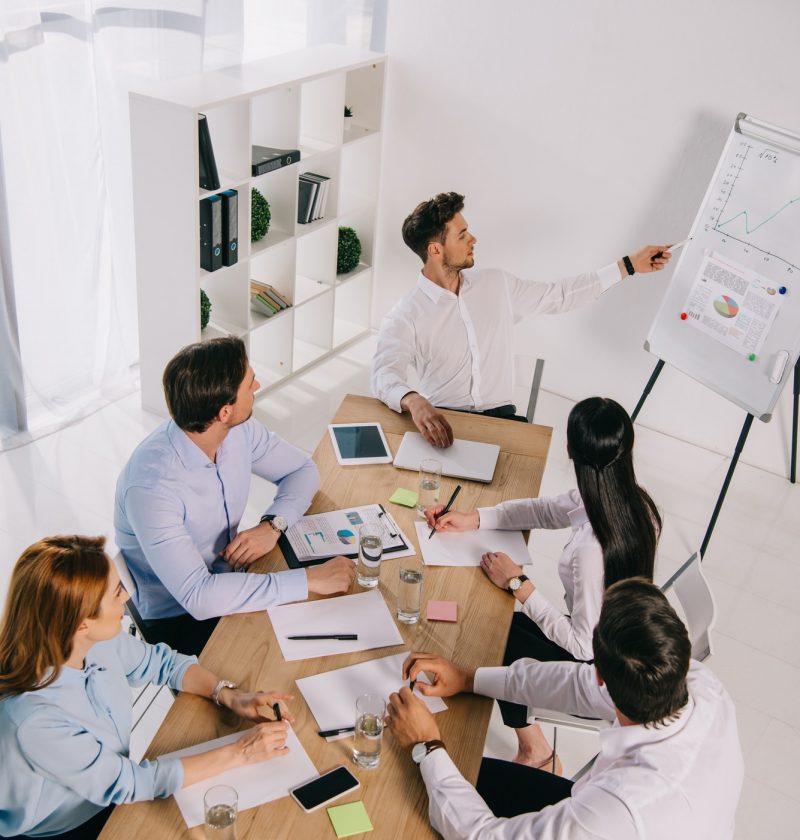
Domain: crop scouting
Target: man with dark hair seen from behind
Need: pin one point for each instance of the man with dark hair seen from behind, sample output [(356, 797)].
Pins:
[(456, 326), (669, 767), (181, 496)]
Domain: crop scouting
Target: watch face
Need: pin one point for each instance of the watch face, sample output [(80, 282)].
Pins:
[(418, 752), (280, 523), (514, 584)]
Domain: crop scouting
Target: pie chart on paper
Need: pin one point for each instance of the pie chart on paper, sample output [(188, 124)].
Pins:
[(726, 306), (346, 537)]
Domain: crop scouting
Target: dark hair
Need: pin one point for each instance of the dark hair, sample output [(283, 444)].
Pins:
[(642, 652), (623, 517), (202, 378), (428, 221), (56, 584)]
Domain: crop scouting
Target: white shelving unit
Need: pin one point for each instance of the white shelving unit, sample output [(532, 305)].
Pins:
[(292, 101)]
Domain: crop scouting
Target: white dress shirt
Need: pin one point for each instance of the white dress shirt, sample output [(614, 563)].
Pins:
[(580, 567), (681, 780), (461, 346)]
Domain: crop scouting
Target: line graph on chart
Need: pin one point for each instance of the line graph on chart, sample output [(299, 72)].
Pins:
[(755, 206)]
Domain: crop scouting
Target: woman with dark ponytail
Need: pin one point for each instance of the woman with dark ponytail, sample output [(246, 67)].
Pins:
[(615, 527)]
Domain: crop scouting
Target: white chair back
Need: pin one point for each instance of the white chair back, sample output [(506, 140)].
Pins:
[(697, 602), (123, 572)]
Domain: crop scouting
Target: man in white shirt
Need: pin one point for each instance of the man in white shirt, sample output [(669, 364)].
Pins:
[(669, 767), (455, 327)]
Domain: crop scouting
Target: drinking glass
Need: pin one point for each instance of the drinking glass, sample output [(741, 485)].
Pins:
[(221, 806), (370, 713), (409, 594), (370, 551), (430, 480)]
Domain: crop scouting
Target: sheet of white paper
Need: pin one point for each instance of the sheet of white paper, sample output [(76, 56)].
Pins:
[(466, 548), (332, 696), (365, 614), (255, 784)]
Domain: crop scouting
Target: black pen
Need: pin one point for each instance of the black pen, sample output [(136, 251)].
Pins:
[(276, 707), (329, 733), (446, 508), (344, 637)]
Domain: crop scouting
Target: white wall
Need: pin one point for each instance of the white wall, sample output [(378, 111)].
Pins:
[(578, 132)]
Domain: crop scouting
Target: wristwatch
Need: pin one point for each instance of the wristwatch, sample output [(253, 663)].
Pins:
[(279, 523), (515, 583), (419, 751), (218, 688)]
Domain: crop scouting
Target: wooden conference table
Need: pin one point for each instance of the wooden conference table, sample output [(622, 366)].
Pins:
[(244, 648)]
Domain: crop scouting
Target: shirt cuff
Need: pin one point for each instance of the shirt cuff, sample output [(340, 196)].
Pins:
[(394, 395), (292, 585), (176, 677), (436, 765), (490, 682), (489, 518), (609, 276), (167, 778), (535, 606)]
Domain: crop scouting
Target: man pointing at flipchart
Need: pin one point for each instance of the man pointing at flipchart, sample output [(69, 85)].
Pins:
[(455, 327)]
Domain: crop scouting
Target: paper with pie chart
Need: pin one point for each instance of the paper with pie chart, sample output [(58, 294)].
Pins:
[(732, 303)]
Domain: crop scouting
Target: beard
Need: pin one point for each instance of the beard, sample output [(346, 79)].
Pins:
[(467, 263)]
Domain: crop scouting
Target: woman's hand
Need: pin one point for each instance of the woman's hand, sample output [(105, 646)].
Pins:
[(246, 704), (452, 521), (499, 568), (262, 742)]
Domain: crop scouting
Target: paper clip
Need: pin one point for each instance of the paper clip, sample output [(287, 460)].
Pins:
[(390, 522)]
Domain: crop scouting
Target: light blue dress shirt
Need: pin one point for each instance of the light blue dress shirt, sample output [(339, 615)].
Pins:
[(176, 511), (64, 748)]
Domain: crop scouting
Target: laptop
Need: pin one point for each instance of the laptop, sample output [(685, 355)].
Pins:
[(464, 459)]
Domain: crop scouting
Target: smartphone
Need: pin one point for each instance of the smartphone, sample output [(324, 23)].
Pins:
[(325, 788)]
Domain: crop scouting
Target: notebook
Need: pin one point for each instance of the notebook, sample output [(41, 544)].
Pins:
[(464, 459)]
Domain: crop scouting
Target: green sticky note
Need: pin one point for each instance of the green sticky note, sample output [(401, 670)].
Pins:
[(408, 498), (349, 819)]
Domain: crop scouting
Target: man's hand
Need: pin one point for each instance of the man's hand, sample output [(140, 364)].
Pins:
[(447, 679), (428, 419), (649, 258), (499, 568), (410, 720), (453, 520), (247, 546), (246, 704), (334, 576)]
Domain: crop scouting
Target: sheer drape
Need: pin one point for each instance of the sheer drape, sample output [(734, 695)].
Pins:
[(68, 321)]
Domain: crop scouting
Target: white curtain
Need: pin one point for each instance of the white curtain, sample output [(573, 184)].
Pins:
[(68, 321)]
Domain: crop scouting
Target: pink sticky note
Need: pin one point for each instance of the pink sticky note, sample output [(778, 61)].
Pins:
[(442, 611)]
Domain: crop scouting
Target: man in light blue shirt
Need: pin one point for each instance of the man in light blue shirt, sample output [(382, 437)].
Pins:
[(182, 494)]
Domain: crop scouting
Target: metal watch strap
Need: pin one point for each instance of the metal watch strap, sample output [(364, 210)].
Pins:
[(218, 688)]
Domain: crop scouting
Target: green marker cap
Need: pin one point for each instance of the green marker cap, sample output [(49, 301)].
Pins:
[(752, 357)]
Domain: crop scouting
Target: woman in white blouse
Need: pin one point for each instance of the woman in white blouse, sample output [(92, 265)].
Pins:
[(614, 530), (66, 672)]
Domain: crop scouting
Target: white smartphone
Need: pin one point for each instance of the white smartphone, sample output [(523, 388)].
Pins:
[(325, 788)]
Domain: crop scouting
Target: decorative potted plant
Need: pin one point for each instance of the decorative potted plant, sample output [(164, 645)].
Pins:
[(349, 250), (205, 309), (348, 117), (260, 216)]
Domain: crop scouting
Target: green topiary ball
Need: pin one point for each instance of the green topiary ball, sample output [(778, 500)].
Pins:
[(205, 309), (349, 250), (260, 216)]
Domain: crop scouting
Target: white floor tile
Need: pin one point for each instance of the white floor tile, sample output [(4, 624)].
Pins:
[(774, 761), (766, 814)]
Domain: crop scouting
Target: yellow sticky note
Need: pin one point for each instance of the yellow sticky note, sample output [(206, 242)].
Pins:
[(407, 498), (349, 819)]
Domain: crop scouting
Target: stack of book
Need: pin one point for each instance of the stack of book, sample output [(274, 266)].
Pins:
[(312, 197), (266, 299)]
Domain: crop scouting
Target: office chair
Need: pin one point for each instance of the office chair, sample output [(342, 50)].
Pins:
[(121, 566), (696, 600)]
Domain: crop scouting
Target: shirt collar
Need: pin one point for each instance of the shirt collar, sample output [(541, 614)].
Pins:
[(619, 740), (191, 456), (435, 292), (577, 517)]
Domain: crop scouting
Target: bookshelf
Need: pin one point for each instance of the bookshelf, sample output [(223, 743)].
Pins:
[(291, 101)]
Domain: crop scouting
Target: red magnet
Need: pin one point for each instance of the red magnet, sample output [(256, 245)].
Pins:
[(684, 316)]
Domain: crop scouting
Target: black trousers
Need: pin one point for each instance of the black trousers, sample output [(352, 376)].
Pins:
[(90, 830), (505, 412), (525, 639), (182, 632), (512, 789)]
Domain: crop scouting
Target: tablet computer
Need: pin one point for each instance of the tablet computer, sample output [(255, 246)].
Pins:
[(359, 443)]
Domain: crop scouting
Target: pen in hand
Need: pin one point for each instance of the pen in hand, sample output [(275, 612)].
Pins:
[(276, 707), (446, 509)]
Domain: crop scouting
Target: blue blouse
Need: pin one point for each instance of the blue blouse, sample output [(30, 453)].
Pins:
[(64, 748)]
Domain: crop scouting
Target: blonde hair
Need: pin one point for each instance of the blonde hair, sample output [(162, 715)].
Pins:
[(56, 584)]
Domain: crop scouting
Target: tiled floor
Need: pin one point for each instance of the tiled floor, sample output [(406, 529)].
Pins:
[(64, 483)]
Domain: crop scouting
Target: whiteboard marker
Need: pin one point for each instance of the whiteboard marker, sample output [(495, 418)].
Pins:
[(679, 244)]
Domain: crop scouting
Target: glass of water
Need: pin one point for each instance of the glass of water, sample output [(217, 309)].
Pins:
[(221, 805), (430, 480), (409, 595), (370, 713), (370, 551)]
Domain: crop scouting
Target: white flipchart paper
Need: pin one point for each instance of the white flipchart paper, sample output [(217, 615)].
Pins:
[(332, 696), (467, 547), (254, 783), (365, 614)]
